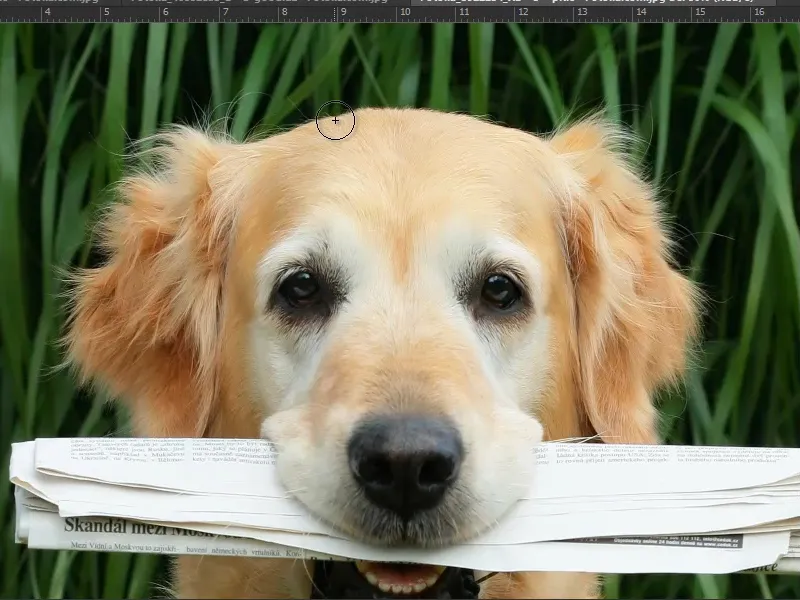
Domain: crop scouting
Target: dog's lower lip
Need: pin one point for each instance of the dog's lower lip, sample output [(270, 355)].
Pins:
[(400, 578)]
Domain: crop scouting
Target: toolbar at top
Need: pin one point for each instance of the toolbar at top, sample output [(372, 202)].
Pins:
[(399, 11)]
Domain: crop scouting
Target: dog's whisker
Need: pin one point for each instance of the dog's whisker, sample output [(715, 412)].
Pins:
[(295, 491)]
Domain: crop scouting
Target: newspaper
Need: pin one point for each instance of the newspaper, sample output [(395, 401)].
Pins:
[(590, 507)]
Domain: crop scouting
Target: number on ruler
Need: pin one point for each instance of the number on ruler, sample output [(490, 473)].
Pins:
[(344, 11), (700, 11), (641, 12), (463, 12), (165, 11), (224, 10), (405, 12), (759, 11), (284, 11), (583, 11)]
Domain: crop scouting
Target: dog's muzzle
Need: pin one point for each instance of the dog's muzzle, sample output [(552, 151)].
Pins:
[(404, 466)]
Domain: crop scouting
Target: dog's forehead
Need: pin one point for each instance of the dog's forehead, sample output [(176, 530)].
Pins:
[(403, 183)]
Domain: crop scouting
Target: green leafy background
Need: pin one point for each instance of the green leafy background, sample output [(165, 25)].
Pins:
[(716, 106)]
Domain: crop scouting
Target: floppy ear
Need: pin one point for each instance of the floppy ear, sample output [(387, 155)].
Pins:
[(145, 324), (635, 314)]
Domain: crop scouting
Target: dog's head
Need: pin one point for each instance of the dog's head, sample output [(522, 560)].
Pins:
[(406, 312)]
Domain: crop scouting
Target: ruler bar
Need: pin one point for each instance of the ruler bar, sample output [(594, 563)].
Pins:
[(392, 11)]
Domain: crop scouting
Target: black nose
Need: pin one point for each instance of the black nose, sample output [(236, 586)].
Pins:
[(405, 463)]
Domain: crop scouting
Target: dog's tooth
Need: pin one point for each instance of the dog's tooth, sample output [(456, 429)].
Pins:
[(371, 578), (407, 589), (421, 586), (431, 581), (438, 568), (397, 588), (384, 587), (361, 565)]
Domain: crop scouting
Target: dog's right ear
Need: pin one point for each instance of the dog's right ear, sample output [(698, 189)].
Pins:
[(636, 315), (146, 323)]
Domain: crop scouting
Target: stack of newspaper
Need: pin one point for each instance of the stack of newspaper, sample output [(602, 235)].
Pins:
[(591, 507)]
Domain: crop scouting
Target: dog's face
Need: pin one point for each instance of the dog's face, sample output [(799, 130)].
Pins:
[(406, 312), (401, 329)]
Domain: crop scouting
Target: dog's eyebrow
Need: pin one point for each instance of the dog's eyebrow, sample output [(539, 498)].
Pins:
[(310, 251), (498, 256), (292, 251), (481, 262)]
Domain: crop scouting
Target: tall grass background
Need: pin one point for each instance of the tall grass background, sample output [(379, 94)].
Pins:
[(718, 108)]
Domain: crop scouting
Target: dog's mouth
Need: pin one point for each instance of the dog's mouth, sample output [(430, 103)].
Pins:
[(400, 579), (367, 579)]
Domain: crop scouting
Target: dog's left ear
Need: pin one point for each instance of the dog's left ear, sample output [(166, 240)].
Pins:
[(635, 313), (146, 322)]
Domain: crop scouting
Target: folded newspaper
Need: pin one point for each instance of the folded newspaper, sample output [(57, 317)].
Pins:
[(591, 507)]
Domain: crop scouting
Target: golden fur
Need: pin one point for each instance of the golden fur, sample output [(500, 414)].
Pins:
[(175, 321)]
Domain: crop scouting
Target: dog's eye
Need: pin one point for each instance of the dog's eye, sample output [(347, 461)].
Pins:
[(500, 293), (301, 290)]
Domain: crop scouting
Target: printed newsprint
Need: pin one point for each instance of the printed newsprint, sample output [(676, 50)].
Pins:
[(590, 507)]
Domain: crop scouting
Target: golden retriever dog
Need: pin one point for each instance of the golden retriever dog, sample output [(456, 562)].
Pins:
[(405, 313)]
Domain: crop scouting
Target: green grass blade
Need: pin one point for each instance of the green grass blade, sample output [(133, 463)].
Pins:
[(713, 71), (265, 58), (13, 313), (777, 179), (609, 69), (319, 73), (279, 104), (666, 78), (144, 568), (59, 131), (441, 66), (61, 574), (116, 575), (777, 176), (230, 38), (157, 36), (730, 187), (369, 73), (172, 80), (408, 68), (481, 47), (215, 67), (631, 49), (116, 104), (551, 98), (767, 51)]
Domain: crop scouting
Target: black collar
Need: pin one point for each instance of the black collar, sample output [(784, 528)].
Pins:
[(334, 579)]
